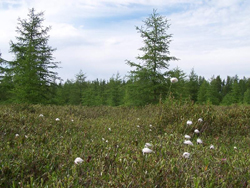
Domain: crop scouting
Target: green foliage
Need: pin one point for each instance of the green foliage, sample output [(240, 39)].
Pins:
[(110, 141), (31, 71), (202, 93), (193, 86), (148, 78), (214, 91), (246, 98)]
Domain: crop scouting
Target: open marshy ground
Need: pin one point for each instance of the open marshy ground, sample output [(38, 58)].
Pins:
[(39, 146)]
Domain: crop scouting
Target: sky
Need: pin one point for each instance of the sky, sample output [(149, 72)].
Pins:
[(97, 36)]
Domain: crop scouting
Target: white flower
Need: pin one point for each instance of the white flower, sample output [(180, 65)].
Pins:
[(199, 141), (187, 136), (109, 129), (173, 80), (103, 139), (17, 135), (41, 115), (150, 125), (235, 147), (72, 120), (138, 126), (186, 155), (188, 142), (25, 136), (57, 119), (211, 146), (200, 120), (196, 131), (146, 150), (189, 122), (148, 145), (78, 160)]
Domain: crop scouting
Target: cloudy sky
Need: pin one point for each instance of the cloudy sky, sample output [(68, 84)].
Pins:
[(97, 36)]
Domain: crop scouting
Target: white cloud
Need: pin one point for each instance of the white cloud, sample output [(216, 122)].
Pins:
[(211, 36)]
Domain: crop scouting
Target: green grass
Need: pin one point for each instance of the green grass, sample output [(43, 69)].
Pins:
[(44, 152)]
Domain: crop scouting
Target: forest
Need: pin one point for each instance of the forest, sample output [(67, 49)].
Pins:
[(30, 77)]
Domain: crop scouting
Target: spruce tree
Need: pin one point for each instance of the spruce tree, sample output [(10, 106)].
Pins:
[(32, 68), (202, 93), (193, 85), (149, 74)]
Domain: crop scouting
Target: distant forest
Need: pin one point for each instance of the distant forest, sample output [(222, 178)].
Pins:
[(30, 78)]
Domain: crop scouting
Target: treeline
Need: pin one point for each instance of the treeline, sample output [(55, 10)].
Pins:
[(30, 78), (119, 91), (125, 91)]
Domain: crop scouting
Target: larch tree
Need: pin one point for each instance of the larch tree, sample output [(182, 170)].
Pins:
[(149, 75), (32, 68)]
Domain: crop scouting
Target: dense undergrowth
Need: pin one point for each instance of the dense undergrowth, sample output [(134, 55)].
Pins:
[(39, 151)]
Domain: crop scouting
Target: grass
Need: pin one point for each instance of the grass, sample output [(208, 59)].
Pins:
[(110, 141)]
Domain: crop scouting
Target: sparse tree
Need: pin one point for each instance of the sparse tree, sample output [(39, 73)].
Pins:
[(149, 75), (32, 68)]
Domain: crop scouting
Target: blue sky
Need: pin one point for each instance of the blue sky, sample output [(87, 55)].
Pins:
[(97, 36)]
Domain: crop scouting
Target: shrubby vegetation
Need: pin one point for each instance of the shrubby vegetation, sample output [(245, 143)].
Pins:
[(39, 150)]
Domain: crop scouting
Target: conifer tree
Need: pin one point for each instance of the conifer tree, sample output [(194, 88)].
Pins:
[(193, 85), (214, 91), (202, 93), (149, 75), (32, 68)]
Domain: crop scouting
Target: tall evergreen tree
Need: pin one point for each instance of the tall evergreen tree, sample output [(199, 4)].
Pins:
[(149, 75), (202, 93), (235, 93), (115, 91), (193, 85), (214, 90), (6, 83), (33, 66), (246, 98)]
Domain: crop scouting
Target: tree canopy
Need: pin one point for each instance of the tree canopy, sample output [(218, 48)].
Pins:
[(32, 69), (150, 73)]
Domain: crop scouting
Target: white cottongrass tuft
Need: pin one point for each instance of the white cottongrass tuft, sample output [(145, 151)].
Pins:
[(147, 145), (196, 131), (186, 155), (173, 80), (200, 120), (199, 141), (146, 150), (235, 147), (188, 142), (17, 135), (78, 160), (187, 136), (41, 115), (109, 129), (189, 122), (57, 119), (211, 146)]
